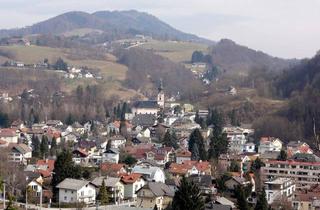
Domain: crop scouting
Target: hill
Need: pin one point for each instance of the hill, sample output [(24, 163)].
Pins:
[(116, 24), (240, 59)]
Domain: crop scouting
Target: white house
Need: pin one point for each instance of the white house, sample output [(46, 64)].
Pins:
[(76, 191), (132, 183), (111, 155), (279, 188), (248, 147), (9, 135), (269, 144), (182, 155), (20, 153), (36, 188), (117, 141), (151, 173)]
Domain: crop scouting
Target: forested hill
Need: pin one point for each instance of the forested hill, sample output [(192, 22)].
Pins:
[(297, 78), (237, 58), (117, 23)]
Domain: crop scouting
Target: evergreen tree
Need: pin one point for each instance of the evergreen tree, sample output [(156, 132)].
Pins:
[(170, 139), (4, 120), (118, 112), (242, 202), (70, 119), (35, 146), (124, 111), (282, 156), (53, 146), (234, 120), (197, 138), (262, 203), (197, 118), (103, 194), (195, 155), (44, 146), (256, 165), (234, 166), (123, 128), (218, 145), (60, 65), (187, 196)]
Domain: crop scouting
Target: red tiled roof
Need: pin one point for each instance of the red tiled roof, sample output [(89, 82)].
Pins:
[(130, 178), (183, 168), (8, 132), (183, 153), (48, 163), (114, 167), (3, 142), (292, 162)]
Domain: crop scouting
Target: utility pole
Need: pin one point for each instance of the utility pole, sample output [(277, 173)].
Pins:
[(4, 195), (41, 198), (27, 197)]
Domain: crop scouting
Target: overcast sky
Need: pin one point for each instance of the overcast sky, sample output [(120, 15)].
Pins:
[(284, 28)]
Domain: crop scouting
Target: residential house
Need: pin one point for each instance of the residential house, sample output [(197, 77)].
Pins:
[(307, 199), (132, 183), (278, 189), (182, 156), (150, 173), (80, 156), (111, 155), (154, 194), (19, 153), (204, 182), (188, 168), (78, 128), (9, 135), (248, 147), (76, 191), (113, 169), (269, 144), (237, 138), (294, 147), (114, 185), (54, 123), (117, 141), (45, 167), (236, 181)]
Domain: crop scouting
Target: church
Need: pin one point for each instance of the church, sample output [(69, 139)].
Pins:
[(151, 106)]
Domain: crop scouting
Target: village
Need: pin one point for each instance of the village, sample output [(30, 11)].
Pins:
[(137, 159)]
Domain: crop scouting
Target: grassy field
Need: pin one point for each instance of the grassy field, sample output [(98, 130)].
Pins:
[(175, 51), (81, 32)]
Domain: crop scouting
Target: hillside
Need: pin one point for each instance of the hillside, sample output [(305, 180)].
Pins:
[(241, 59), (112, 23)]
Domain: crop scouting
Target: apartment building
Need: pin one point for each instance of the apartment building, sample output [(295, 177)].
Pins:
[(303, 173), (279, 188)]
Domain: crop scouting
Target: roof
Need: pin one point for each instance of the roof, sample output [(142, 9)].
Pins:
[(130, 178), (146, 104), (225, 201), (3, 142), (72, 184), (144, 120), (21, 148), (146, 170), (114, 167), (292, 162), (203, 180), (183, 153), (47, 162), (183, 168), (112, 150), (77, 125), (215, 206), (109, 181), (158, 189), (8, 132)]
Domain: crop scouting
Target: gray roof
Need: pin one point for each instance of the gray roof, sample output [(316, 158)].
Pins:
[(21, 148), (72, 184), (109, 181), (214, 206), (159, 189), (112, 150), (144, 120), (146, 170), (146, 104)]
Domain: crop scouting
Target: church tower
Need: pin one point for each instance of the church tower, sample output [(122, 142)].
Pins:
[(160, 98)]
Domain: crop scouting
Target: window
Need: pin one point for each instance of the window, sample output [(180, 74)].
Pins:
[(65, 198), (65, 191)]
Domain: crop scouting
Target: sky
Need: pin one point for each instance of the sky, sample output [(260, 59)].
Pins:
[(282, 28)]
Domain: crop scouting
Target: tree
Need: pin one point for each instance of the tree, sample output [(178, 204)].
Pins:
[(262, 203), (35, 146), (234, 119), (129, 160), (53, 146), (70, 119), (234, 166), (197, 138), (218, 145), (170, 139), (103, 194), (256, 165), (44, 146), (4, 120), (197, 56), (187, 196), (241, 199), (60, 65), (282, 155)]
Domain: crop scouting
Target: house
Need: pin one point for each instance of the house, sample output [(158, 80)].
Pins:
[(19, 153), (150, 173), (113, 169), (76, 191), (237, 138), (248, 147), (9, 135), (144, 120), (45, 167), (278, 189), (294, 147), (111, 155), (114, 185), (132, 183), (36, 190), (303, 172), (188, 168), (154, 194), (204, 182), (3, 143), (307, 199), (78, 128), (269, 144), (182, 155), (145, 133), (70, 137), (236, 181), (54, 123), (117, 141)]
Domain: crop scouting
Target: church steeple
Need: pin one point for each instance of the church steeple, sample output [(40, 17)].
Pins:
[(160, 98)]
